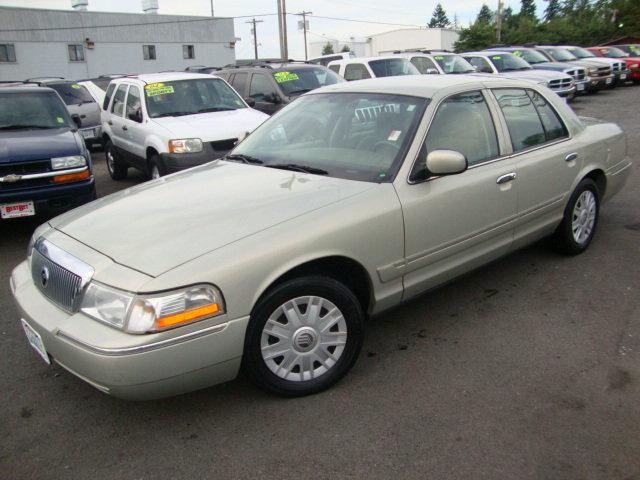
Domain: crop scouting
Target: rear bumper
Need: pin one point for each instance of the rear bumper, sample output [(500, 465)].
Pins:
[(92, 134), (133, 367), (55, 199)]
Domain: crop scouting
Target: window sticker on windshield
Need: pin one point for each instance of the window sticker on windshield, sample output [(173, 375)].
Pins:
[(517, 53), (497, 57), (282, 77), (411, 108), (75, 85), (59, 119), (394, 135), (439, 57), (154, 89)]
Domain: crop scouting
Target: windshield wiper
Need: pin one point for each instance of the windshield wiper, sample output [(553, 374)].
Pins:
[(298, 168), (243, 158), (173, 114), (299, 92), (215, 109), (508, 70), (24, 127)]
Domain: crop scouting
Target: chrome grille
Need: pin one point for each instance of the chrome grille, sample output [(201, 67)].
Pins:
[(582, 74), (58, 275), (561, 84)]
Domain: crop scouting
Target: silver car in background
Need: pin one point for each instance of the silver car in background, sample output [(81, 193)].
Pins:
[(352, 199)]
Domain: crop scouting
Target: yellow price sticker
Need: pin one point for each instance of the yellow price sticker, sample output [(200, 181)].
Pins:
[(282, 77)]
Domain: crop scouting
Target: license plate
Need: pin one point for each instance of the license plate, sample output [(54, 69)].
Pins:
[(15, 210), (608, 81), (623, 76), (35, 340), (88, 133), (580, 87)]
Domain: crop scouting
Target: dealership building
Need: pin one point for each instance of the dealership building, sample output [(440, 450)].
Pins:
[(81, 43)]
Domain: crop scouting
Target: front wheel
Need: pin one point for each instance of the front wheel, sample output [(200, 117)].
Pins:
[(155, 169), (303, 336), (580, 221)]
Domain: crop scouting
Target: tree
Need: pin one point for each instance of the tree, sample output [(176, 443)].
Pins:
[(478, 36), (439, 18), (345, 49), (528, 8), (485, 15), (328, 49), (553, 10)]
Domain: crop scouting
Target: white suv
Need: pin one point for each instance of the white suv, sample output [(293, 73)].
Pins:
[(165, 122)]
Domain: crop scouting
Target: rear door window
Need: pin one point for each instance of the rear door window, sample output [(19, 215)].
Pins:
[(240, 83), (261, 88), (523, 121)]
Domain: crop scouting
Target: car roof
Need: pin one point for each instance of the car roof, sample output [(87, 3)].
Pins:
[(163, 77), (25, 88), (269, 66), (417, 85)]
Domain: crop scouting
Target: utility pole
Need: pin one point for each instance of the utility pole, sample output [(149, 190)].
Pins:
[(499, 21), (212, 8), (280, 29), (255, 35), (284, 30), (304, 29)]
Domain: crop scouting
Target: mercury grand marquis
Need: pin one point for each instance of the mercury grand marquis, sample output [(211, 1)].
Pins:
[(349, 201)]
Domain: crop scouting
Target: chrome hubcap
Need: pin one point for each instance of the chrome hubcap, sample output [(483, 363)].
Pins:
[(303, 338), (584, 217), (110, 160)]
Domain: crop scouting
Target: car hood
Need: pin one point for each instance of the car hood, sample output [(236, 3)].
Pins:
[(589, 62), (213, 125), (534, 75), (555, 66), (159, 225), (29, 145)]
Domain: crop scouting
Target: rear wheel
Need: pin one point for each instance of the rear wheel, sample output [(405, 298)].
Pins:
[(580, 221), (303, 336), (116, 168)]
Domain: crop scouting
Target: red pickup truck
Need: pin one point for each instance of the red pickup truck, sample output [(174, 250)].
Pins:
[(633, 62)]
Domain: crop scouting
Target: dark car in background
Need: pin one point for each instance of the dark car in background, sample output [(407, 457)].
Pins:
[(45, 167), (79, 102), (269, 86)]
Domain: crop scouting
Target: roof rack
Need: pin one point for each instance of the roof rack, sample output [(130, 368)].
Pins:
[(39, 79)]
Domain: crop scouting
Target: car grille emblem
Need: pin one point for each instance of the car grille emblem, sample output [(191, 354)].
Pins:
[(44, 277)]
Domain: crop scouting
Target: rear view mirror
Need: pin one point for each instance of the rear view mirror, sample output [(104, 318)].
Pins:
[(76, 119), (446, 162)]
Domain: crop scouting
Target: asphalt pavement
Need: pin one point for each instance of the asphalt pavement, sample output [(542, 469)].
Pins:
[(526, 369)]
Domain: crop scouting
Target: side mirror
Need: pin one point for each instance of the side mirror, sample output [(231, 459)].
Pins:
[(76, 119), (250, 101), (136, 116), (446, 162)]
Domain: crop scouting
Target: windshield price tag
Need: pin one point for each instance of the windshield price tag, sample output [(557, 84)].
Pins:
[(282, 77), (439, 57), (496, 57), (59, 119), (75, 85), (154, 89)]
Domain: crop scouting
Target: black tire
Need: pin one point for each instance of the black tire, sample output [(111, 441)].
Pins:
[(564, 235), (255, 367), (155, 164), (117, 168)]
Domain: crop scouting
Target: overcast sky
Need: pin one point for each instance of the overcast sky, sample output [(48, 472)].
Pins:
[(410, 12)]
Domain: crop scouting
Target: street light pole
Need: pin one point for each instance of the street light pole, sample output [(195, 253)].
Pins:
[(255, 35), (212, 8), (304, 14)]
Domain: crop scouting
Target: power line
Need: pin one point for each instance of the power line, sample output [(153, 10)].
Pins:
[(368, 21)]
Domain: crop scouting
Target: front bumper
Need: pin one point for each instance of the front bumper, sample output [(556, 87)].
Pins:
[(622, 76), (598, 83), (567, 92), (133, 367), (53, 200)]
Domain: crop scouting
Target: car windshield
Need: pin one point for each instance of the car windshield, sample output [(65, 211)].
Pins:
[(508, 62), (357, 136), (581, 52), (530, 56), (296, 81), (32, 110), (390, 67), (561, 55), (453, 64), (188, 97), (614, 52), (72, 93)]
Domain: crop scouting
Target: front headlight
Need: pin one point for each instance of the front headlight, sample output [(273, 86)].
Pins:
[(185, 145), (154, 312), (74, 161), (37, 233)]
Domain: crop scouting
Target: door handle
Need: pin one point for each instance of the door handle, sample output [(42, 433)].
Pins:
[(124, 127), (110, 122), (506, 178), (571, 157)]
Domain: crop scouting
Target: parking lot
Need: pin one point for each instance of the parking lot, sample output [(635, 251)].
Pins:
[(526, 369)]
